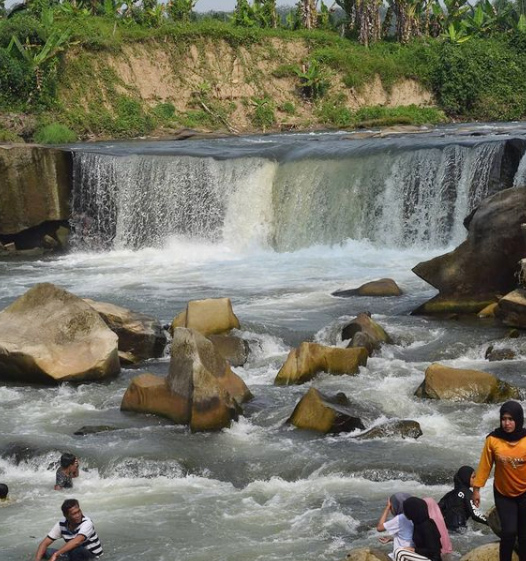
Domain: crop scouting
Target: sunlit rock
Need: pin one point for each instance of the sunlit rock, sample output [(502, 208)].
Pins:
[(456, 384), (309, 359), (486, 552), (50, 335), (381, 287), (328, 414), (488, 311), (363, 331), (486, 264), (140, 336), (511, 309), (396, 427), (367, 554), (211, 316), (200, 390)]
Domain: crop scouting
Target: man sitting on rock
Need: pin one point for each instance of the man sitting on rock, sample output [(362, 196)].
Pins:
[(69, 468), (77, 530)]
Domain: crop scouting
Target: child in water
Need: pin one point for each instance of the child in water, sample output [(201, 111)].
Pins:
[(457, 505)]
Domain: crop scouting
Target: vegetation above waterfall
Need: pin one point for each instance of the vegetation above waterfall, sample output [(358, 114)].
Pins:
[(104, 69)]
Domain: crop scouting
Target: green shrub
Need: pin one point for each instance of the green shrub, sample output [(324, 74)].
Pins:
[(55, 133), (164, 111), (335, 114), (26, 27), (263, 115), (9, 136), (16, 80), (288, 107), (131, 119)]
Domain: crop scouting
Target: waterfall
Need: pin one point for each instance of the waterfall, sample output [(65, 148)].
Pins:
[(396, 198)]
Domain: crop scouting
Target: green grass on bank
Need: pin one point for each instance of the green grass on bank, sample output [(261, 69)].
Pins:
[(479, 79)]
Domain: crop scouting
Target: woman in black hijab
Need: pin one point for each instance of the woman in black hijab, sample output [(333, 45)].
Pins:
[(426, 536), (457, 505), (506, 448)]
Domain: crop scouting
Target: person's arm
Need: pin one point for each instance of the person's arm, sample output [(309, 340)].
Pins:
[(473, 510), (483, 471), (75, 469), (44, 544), (72, 544), (380, 526)]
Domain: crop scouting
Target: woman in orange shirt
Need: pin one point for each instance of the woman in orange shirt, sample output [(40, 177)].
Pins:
[(506, 448)]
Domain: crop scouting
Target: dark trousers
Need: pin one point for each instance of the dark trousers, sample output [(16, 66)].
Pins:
[(78, 554), (512, 514)]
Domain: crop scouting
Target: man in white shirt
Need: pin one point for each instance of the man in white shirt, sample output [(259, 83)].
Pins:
[(78, 532)]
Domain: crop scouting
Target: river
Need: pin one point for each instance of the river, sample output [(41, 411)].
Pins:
[(277, 224)]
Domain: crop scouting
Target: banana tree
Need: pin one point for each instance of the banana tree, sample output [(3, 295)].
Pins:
[(38, 56), (309, 14)]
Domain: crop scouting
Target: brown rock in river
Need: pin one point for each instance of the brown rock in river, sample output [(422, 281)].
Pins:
[(323, 413), (511, 309), (140, 336), (309, 359), (486, 552), (485, 265), (381, 287), (364, 324), (211, 316), (50, 335), (444, 382), (367, 554)]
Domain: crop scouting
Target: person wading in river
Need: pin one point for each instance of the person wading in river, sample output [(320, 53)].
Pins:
[(506, 448), (77, 530)]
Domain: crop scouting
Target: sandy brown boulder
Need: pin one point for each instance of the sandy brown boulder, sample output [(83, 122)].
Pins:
[(488, 311), (140, 336), (233, 349), (323, 413), (309, 359), (396, 427), (148, 393), (486, 552), (511, 309), (485, 265), (456, 384), (381, 287), (364, 331), (200, 390), (211, 316), (50, 335), (504, 353), (367, 554)]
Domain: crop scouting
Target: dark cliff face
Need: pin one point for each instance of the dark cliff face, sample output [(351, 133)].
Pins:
[(35, 183)]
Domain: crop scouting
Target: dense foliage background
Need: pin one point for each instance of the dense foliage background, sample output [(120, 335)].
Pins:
[(472, 57)]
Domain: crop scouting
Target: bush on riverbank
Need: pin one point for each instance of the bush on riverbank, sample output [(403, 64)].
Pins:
[(478, 79)]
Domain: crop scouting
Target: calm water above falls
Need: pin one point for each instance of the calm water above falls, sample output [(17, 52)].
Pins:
[(277, 224)]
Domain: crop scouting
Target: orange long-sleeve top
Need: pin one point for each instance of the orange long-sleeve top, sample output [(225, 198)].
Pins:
[(510, 466)]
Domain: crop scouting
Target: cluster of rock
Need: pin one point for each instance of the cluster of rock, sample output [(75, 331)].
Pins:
[(486, 552), (49, 335)]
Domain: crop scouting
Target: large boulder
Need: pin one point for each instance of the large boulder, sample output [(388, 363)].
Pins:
[(381, 287), (363, 331), (367, 554), (34, 187), (49, 335), (485, 265), (394, 427), (486, 552), (233, 349), (309, 359), (211, 316), (140, 336), (511, 309), (200, 390), (456, 384), (323, 413)]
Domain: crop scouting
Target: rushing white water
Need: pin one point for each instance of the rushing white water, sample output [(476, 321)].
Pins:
[(260, 490)]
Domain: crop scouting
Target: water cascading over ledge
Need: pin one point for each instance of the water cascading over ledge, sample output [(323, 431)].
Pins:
[(419, 195)]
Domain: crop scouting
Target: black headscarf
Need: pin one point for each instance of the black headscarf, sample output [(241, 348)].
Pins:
[(514, 409), (425, 534), (463, 477)]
